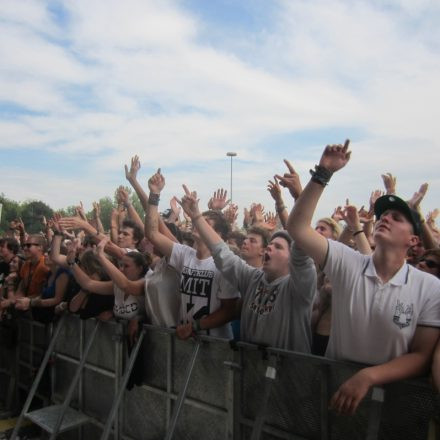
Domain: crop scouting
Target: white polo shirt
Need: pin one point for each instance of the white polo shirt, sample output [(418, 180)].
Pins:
[(373, 322)]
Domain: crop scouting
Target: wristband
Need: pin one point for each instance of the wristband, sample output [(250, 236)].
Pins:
[(281, 207), (153, 199), (197, 217), (58, 233), (321, 175), (358, 232), (196, 326)]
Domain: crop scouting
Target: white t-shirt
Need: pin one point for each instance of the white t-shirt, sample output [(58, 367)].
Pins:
[(126, 306), (373, 322), (162, 295), (201, 286)]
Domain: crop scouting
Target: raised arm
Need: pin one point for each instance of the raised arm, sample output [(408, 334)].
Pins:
[(123, 196), (163, 243), (78, 223), (275, 191), (428, 239), (351, 217), (131, 176), (128, 286), (87, 283), (299, 226)]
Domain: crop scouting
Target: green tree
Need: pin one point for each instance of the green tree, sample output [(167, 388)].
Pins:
[(32, 212), (10, 211)]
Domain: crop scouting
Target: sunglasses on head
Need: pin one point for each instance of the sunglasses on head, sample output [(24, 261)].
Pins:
[(28, 245), (430, 263)]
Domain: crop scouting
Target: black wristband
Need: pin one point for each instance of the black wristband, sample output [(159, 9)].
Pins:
[(58, 233), (358, 232), (153, 199), (321, 175), (196, 326)]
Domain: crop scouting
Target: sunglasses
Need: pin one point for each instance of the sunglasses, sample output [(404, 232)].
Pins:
[(430, 263), (28, 245)]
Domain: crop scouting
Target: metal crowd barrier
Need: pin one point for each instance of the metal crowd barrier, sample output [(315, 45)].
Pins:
[(208, 389)]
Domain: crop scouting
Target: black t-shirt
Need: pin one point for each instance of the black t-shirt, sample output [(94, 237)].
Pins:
[(4, 271)]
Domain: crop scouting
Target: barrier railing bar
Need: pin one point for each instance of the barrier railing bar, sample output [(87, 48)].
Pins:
[(377, 398), (74, 383), (120, 392), (37, 380), (87, 366), (275, 432), (324, 382), (213, 409), (269, 377), (170, 367), (182, 394)]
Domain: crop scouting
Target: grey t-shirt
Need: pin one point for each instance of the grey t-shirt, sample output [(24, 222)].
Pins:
[(275, 314)]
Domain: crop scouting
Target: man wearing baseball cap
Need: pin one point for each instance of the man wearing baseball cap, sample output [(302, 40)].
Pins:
[(385, 312)]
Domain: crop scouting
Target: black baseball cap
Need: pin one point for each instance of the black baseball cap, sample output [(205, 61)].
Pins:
[(391, 201)]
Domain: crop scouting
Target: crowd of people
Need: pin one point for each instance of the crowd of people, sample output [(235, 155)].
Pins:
[(360, 285)]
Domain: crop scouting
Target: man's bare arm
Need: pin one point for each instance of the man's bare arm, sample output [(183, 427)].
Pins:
[(299, 226), (415, 363)]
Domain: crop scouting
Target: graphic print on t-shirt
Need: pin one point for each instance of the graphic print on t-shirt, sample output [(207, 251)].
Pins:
[(196, 285), (264, 300)]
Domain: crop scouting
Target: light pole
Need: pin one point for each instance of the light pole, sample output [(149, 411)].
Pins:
[(231, 154)]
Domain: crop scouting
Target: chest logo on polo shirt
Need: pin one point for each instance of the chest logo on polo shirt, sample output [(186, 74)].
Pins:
[(403, 314)]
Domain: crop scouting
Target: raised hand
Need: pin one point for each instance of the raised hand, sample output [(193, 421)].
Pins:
[(96, 209), (80, 211), (175, 207), (218, 201), (56, 223), (71, 222), (270, 221), (431, 217), (123, 196), (190, 203), (416, 199), (291, 180), (246, 217), (351, 217), (275, 190), (338, 215), (231, 213), (101, 246), (335, 157), (257, 213), (365, 216), (389, 182), (156, 182), (131, 174), (374, 196)]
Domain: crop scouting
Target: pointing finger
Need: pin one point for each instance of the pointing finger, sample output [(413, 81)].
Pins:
[(289, 166)]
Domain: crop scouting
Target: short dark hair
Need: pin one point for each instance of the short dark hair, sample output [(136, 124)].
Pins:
[(138, 233), (263, 233), (282, 234), (221, 225), (11, 243), (40, 240), (238, 236)]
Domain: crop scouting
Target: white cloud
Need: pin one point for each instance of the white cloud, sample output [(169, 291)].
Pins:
[(124, 78)]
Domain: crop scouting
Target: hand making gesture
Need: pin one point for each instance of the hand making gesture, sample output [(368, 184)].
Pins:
[(335, 157)]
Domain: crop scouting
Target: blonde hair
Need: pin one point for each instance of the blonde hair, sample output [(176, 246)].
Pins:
[(333, 225)]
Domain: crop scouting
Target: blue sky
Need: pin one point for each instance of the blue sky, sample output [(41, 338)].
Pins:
[(85, 85)]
